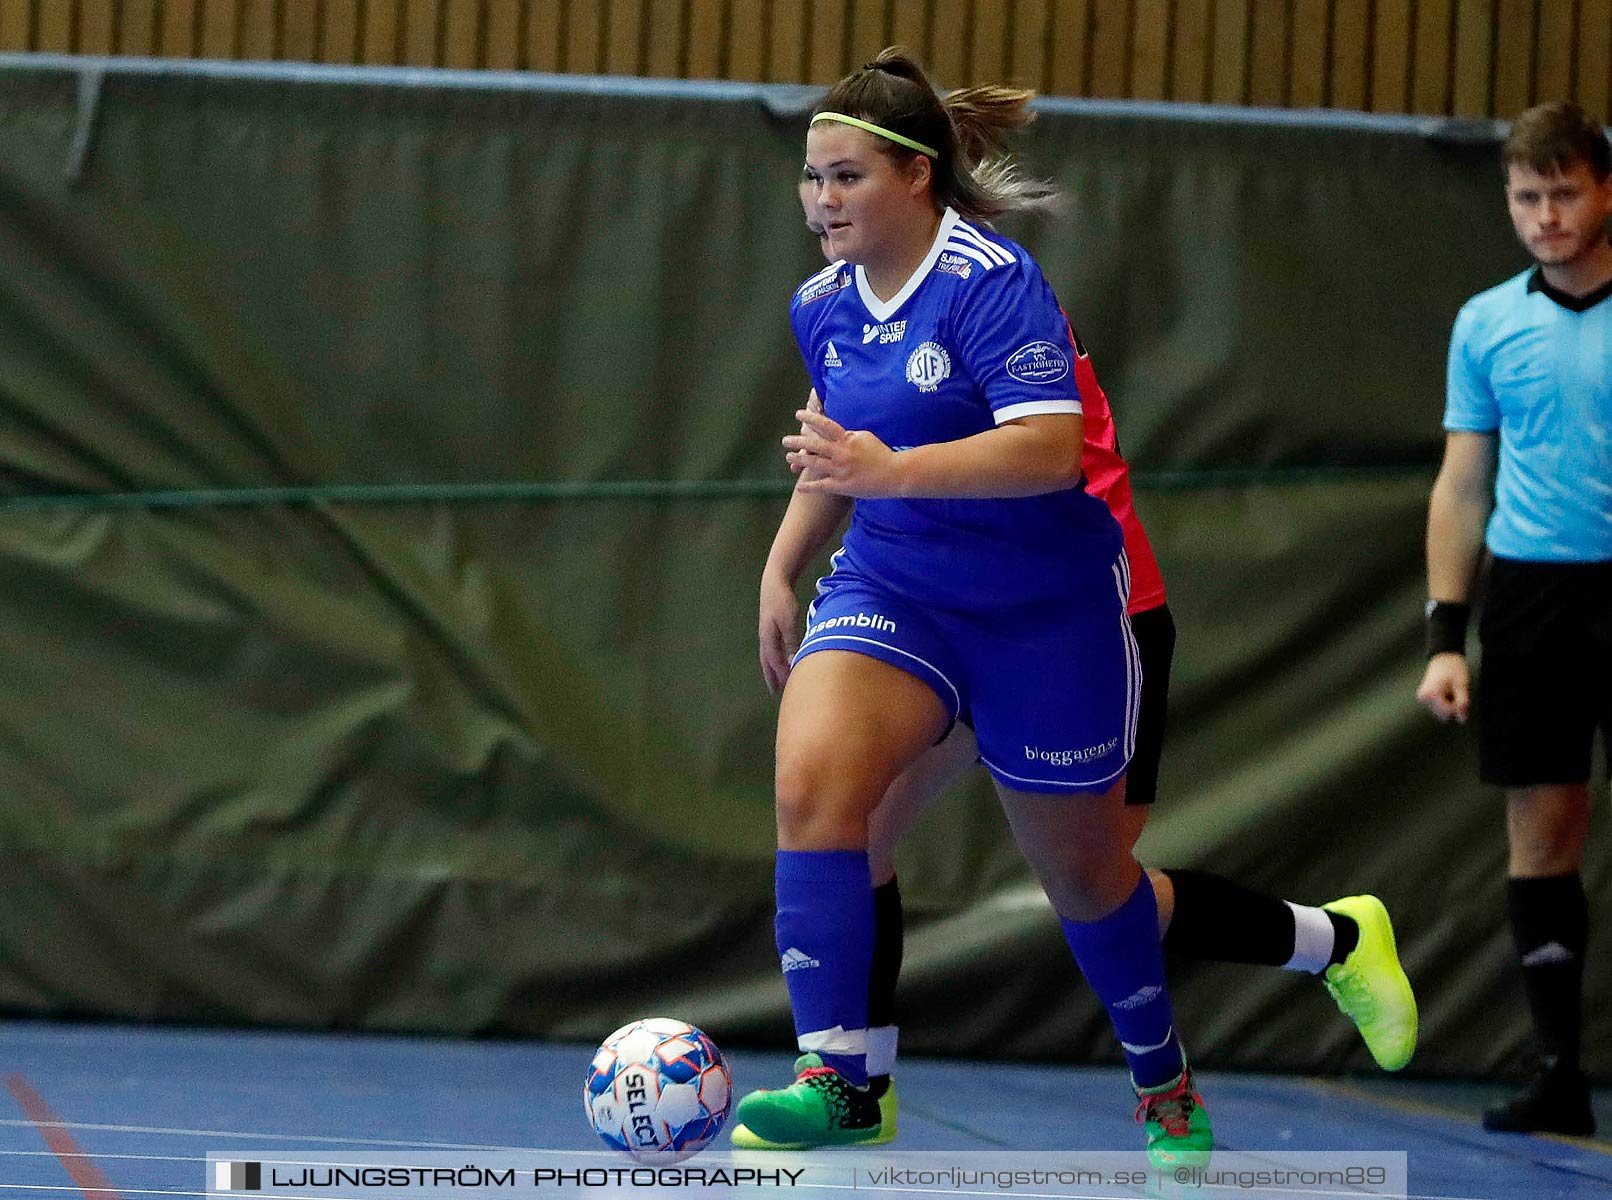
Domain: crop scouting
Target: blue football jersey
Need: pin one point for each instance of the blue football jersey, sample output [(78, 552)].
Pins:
[(973, 339), (1535, 367)]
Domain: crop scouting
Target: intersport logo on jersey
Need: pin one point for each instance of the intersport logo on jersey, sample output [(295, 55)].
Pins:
[(890, 331)]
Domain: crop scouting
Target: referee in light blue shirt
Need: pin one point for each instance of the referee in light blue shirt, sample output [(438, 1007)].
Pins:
[(1528, 472)]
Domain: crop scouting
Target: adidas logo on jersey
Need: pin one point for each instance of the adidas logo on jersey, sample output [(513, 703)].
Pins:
[(890, 331), (797, 960), (831, 357)]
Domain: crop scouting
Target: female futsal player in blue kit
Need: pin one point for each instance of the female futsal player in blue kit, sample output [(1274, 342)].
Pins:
[(1349, 942), (977, 580)]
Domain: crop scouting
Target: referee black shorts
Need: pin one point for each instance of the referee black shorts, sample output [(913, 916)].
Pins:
[(1545, 683), (1155, 642)]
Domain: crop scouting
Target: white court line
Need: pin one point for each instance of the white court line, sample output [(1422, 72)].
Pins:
[(294, 1137), (191, 1158)]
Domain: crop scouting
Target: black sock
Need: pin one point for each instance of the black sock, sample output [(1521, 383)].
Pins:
[(1550, 925), (1345, 936), (887, 946), (1223, 921)]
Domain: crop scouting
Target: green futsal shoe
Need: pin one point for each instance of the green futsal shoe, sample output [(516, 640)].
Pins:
[(1177, 1122), (821, 1108), (1370, 987), (744, 1139)]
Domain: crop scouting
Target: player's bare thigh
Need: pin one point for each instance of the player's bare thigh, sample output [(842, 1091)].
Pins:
[(848, 725)]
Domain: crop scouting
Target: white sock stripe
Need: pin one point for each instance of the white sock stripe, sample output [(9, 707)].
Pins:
[(1312, 939), (1168, 1034), (1133, 655), (838, 1040)]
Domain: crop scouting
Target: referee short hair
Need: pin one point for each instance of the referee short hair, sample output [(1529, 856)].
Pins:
[(1550, 138)]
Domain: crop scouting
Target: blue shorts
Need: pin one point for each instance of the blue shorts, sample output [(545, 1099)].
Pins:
[(1051, 691)]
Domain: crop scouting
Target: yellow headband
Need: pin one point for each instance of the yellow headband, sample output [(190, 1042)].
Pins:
[(877, 130)]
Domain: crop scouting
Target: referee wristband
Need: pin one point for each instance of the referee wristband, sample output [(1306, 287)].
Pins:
[(1446, 627)]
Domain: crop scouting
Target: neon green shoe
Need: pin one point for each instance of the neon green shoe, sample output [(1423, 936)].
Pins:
[(1370, 987), (1177, 1122), (744, 1139), (821, 1108)]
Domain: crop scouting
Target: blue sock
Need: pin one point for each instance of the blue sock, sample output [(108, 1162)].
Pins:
[(1121, 959), (824, 931)]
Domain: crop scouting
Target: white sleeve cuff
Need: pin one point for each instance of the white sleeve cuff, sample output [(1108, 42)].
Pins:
[(1035, 408)]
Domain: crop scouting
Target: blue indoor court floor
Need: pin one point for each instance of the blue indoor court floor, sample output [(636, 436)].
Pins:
[(100, 1112)]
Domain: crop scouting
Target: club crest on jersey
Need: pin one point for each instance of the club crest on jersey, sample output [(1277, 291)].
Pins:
[(890, 331), (831, 356), (1038, 362), (954, 264), (929, 366)]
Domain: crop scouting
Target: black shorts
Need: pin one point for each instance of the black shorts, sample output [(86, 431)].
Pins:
[(1546, 679), (1155, 642)]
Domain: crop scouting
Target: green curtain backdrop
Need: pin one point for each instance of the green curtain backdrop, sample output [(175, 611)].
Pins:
[(387, 462)]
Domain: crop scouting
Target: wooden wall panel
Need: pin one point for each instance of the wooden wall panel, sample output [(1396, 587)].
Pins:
[(584, 36), (1474, 58), (135, 29), (545, 23), (1514, 56), (1351, 43), (707, 42), (177, 32), (666, 54), (1459, 57), (95, 31), (825, 41), (1310, 54), (947, 57), (909, 26), (463, 28), (1268, 83), (1430, 57), (1028, 33), (1070, 48), (1109, 50), (1594, 90), (1553, 52), (747, 39), (16, 25), (1228, 75), (1554, 57), (1391, 56), (383, 31), (255, 31), (501, 40), (1190, 62), (989, 57), (786, 52), (53, 28), (623, 41), (220, 22)]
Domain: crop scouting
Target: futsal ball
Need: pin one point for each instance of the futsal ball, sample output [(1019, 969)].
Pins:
[(658, 1089)]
